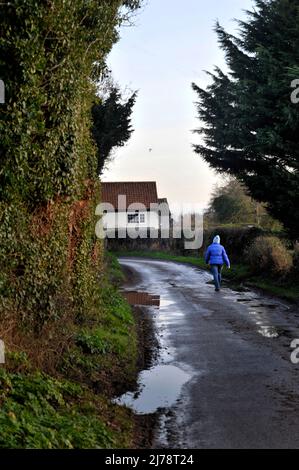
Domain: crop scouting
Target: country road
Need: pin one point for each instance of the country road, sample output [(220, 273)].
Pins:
[(224, 377)]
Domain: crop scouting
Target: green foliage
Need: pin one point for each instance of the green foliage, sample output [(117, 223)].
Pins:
[(103, 341), (52, 55), (117, 309), (48, 53), (33, 260), (94, 341), (235, 239), (231, 204), (250, 123), (86, 277), (38, 411), (17, 360), (111, 124), (116, 275), (107, 341)]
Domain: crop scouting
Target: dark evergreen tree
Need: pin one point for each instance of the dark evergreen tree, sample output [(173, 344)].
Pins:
[(111, 124), (251, 125)]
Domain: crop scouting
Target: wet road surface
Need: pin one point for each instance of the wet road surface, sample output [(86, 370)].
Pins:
[(224, 378)]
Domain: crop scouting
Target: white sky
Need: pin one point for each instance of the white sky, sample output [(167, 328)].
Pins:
[(168, 48)]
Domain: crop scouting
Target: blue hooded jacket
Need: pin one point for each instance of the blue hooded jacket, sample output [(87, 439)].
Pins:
[(216, 253)]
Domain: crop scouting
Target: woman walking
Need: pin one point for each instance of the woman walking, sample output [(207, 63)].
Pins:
[(216, 256)]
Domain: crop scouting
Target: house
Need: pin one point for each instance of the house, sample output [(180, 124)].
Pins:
[(130, 205), (163, 202)]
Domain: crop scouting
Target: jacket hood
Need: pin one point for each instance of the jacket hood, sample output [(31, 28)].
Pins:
[(217, 240)]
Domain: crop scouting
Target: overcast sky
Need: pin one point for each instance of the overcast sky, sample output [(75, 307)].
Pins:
[(168, 48)]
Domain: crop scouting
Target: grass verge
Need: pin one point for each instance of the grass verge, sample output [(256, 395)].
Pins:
[(71, 407)]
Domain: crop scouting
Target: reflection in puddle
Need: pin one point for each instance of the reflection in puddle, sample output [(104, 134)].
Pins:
[(268, 331), (141, 298), (158, 387), (262, 313), (265, 306), (262, 305), (166, 303)]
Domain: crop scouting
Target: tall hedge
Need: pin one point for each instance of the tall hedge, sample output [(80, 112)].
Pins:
[(52, 55)]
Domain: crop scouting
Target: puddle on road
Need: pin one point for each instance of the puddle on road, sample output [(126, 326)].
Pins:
[(166, 303), (268, 331), (262, 323), (146, 299), (159, 387), (262, 312), (142, 298), (264, 306), (261, 305)]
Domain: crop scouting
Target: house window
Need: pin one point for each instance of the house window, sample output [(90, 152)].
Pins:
[(142, 218), (133, 218)]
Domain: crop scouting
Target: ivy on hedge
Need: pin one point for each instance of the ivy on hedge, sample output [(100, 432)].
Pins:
[(52, 55)]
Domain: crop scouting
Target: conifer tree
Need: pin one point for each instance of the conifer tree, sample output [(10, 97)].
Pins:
[(111, 124), (250, 123)]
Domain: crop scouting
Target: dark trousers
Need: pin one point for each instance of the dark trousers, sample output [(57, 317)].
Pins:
[(216, 270)]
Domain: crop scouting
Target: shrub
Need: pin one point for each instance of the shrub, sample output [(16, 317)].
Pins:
[(269, 254)]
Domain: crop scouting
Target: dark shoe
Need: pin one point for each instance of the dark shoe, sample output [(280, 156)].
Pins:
[(217, 290)]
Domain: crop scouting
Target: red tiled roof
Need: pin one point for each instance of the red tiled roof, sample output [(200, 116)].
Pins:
[(136, 192)]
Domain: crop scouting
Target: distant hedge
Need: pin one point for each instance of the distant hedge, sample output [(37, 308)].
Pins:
[(269, 255), (236, 240)]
